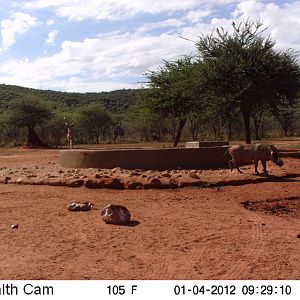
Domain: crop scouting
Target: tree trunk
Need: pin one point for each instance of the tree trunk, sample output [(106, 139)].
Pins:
[(256, 121), (285, 129), (247, 132), (215, 129), (256, 130), (33, 139), (229, 131), (193, 128), (179, 131)]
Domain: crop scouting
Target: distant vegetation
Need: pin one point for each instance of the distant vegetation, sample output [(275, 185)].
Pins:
[(116, 102), (237, 86)]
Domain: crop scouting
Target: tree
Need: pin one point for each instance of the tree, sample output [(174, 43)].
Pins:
[(243, 70), (286, 118), (95, 121), (171, 92), (29, 113), (54, 131)]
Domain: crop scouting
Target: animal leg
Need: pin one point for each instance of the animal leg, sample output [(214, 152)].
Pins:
[(256, 165), (231, 163), (264, 163), (237, 166)]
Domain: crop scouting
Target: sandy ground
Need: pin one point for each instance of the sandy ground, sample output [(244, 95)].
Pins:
[(251, 231)]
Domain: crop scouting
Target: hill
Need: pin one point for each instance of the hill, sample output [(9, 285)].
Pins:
[(115, 101)]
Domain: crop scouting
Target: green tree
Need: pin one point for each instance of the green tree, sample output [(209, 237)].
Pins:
[(29, 113), (53, 132), (244, 70), (95, 121), (286, 118), (171, 93)]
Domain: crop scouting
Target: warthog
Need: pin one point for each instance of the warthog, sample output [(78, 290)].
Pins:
[(115, 214), (255, 152)]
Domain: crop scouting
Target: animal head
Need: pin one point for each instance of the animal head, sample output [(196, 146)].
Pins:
[(275, 156)]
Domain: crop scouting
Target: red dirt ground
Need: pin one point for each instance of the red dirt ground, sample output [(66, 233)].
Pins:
[(234, 232)]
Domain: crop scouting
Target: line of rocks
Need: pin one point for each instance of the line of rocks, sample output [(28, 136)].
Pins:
[(117, 178)]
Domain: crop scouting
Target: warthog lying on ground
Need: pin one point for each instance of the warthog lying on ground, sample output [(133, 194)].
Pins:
[(255, 152), (115, 214)]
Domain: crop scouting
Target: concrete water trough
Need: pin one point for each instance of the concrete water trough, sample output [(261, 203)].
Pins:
[(147, 158)]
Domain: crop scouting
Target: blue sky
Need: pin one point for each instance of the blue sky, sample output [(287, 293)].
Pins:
[(103, 45)]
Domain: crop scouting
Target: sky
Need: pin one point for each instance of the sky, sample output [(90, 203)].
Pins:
[(104, 45)]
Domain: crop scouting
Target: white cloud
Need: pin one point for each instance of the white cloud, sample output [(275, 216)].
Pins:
[(196, 16), (50, 22), (118, 9), (175, 23), (283, 20), (51, 37), (116, 59), (75, 84), (19, 24)]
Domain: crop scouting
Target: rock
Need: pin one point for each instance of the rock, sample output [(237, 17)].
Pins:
[(134, 185), (135, 173), (61, 171), (111, 183), (193, 174), (15, 226), (85, 206), (298, 236), (176, 175), (101, 176), (115, 214), (165, 174), (19, 180), (117, 169), (188, 182), (4, 179), (153, 183), (168, 183), (67, 175), (74, 182), (31, 176), (149, 172)]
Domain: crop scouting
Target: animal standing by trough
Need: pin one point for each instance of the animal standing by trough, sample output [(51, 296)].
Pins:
[(256, 153), (119, 132), (69, 126)]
